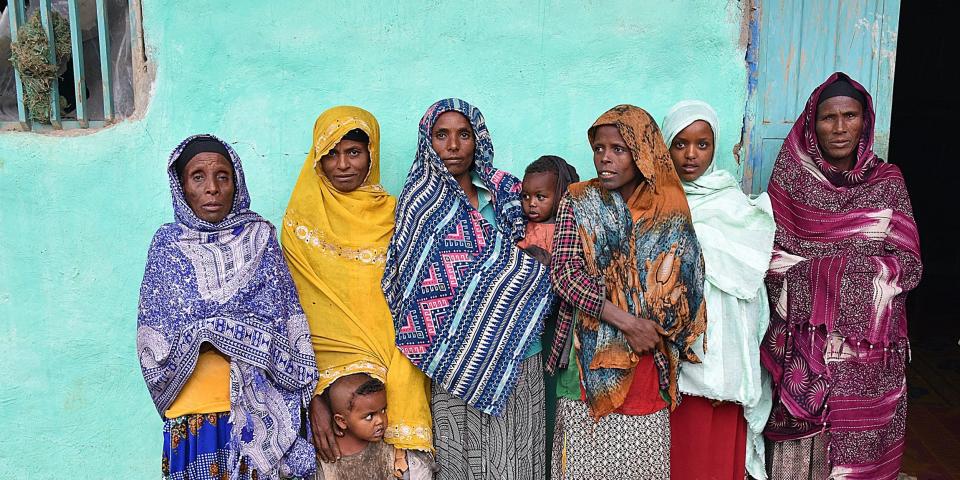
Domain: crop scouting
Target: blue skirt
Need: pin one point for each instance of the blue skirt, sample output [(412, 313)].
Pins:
[(197, 447)]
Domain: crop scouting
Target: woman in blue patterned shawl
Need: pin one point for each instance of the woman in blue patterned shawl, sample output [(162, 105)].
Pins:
[(467, 304), (223, 343)]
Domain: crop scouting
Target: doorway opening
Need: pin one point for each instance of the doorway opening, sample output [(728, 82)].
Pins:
[(925, 102)]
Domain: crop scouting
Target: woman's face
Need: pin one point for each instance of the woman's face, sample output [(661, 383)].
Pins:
[(692, 150), (839, 125), (208, 186), (452, 138), (346, 165), (615, 167)]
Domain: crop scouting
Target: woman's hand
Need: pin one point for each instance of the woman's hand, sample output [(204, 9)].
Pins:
[(325, 432), (642, 334)]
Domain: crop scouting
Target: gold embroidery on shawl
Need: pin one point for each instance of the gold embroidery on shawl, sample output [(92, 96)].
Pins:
[(315, 238)]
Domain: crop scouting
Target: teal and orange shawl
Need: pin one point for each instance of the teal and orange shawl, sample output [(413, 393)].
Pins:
[(645, 250)]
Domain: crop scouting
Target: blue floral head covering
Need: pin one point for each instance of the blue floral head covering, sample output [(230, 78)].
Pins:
[(239, 213)]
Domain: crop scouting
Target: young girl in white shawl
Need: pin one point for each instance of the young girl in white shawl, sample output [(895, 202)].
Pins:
[(717, 427)]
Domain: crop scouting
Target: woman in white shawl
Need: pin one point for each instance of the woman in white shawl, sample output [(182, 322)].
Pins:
[(717, 427)]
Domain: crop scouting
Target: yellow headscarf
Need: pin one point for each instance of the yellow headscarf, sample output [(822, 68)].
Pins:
[(335, 244)]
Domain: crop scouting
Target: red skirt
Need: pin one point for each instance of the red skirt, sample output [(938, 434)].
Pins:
[(707, 442)]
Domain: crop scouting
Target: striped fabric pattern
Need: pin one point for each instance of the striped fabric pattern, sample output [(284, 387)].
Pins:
[(466, 302)]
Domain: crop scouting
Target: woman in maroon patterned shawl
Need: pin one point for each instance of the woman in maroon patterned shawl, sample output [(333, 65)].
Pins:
[(846, 254)]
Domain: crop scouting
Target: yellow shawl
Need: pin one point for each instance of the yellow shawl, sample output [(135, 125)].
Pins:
[(336, 244)]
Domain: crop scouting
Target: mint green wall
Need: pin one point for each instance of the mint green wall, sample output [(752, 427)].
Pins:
[(77, 213)]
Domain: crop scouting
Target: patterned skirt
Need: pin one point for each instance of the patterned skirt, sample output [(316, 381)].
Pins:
[(472, 445), (618, 446), (196, 447), (803, 459)]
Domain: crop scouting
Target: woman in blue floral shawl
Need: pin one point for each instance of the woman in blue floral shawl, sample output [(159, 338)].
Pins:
[(223, 343)]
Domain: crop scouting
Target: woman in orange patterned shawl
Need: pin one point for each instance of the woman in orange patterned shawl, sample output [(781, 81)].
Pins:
[(628, 269)]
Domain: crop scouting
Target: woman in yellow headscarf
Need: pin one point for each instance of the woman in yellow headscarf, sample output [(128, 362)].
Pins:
[(335, 235)]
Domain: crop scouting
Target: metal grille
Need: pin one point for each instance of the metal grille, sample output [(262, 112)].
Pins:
[(82, 112)]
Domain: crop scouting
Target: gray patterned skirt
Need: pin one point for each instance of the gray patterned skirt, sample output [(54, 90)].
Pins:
[(616, 447), (472, 445)]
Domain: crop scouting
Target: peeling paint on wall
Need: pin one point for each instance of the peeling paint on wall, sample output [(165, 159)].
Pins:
[(882, 39), (749, 41)]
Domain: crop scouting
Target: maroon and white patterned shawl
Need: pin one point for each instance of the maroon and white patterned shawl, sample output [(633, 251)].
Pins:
[(845, 255)]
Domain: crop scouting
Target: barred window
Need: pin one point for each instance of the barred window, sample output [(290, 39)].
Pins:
[(70, 64)]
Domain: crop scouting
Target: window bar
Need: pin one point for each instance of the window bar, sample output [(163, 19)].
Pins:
[(76, 45), (21, 11), (107, 80), (133, 8), (15, 14), (47, 20)]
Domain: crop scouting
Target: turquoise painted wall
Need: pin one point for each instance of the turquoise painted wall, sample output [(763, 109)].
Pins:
[(77, 213)]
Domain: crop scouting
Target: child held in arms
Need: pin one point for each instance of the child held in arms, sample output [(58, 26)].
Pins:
[(544, 182)]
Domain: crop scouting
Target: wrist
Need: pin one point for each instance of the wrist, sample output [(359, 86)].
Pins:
[(613, 315)]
